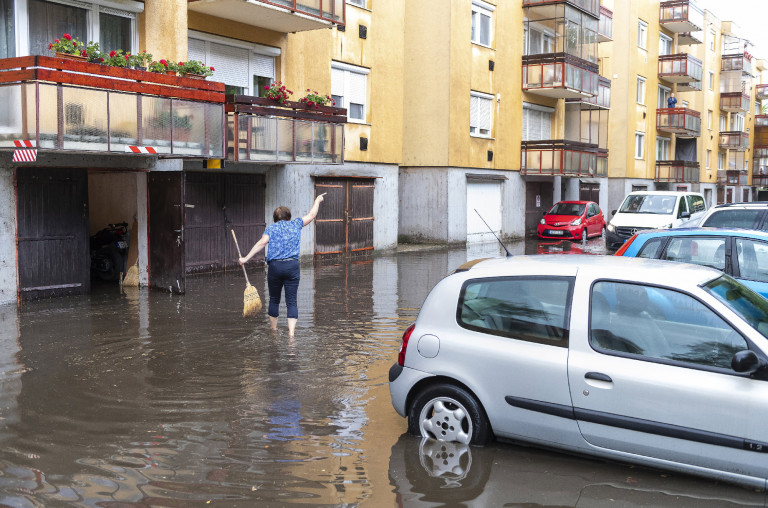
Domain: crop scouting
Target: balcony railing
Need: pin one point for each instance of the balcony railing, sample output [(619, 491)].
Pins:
[(680, 68), (605, 25), (761, 121), (559, 158), (761, 92), (734, 140), (734, 102), (265, 131), (283, 16), (677, 172), (687, 38), (737, 62), (732, 177), (559, 75), (681, 121), (591, 7), (61, 104), (681, 16)]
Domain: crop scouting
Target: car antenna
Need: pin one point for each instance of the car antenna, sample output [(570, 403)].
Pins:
[(509, 254)]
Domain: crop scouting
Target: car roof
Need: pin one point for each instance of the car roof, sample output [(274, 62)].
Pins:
[(706, 231), (662, 193), (652, 271), (751, 204)]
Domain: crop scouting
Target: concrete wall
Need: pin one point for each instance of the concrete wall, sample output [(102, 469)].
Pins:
[(8, 280)]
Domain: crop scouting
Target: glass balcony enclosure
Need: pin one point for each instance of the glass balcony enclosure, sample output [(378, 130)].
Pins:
[(559, 158), (734, 140), (681, 121), (761, 92), (734, 102), (591, 7), (605, 25), (677, 171), (600, 101), (681, 16), (680, 68), (761, 121), (560, 76), (552, 28), (732, 177), (282, 16), (737, 62)]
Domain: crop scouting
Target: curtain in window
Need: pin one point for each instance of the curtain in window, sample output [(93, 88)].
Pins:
[(48, 21), (114, 33), (7, 32)]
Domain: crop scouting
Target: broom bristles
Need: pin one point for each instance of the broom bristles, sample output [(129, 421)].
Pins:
[(132, 277), (251, 301)]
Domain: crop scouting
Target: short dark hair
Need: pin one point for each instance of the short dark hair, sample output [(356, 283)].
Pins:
[(281, 213)]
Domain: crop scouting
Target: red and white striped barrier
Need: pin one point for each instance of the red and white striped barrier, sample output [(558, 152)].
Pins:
[(24, 143), (140, 149), (24, 155)]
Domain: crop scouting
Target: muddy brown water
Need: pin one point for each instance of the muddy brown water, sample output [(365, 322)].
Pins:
[(142, 398)]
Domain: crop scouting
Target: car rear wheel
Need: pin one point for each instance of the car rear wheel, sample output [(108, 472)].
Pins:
[(449, 413)]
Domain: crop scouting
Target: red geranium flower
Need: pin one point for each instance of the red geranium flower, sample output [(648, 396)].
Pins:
[(67, 36), (112, 53)]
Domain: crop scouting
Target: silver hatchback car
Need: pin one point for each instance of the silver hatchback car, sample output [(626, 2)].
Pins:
[(646, 361)]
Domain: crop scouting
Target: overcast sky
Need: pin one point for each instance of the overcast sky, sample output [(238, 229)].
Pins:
[(749, 15)]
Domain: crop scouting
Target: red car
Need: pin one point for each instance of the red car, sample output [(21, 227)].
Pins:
[(572, 219)]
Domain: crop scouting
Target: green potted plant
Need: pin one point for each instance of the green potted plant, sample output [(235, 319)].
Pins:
[(116, 58), (93, 53), (141, 60), (313, 99), (195, 69), (277, 92), (68, 47)]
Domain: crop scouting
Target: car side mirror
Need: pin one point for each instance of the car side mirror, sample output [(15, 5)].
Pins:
[(685, 215), (746, 362), (613, 212)]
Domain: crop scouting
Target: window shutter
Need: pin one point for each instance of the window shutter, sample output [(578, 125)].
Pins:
[(357, 88), (546, 125), (231, 64), (196, 49), (473, 122), (484, 120), (263, 65), (337, 83)]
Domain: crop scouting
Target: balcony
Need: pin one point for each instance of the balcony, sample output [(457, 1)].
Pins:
[(761, 121), (681, 16), (560, 75), (684, 122), (605, 25), (680, 68), (687, 38), (737, 62), (600, 101), (760, 166), (283, 133), (677, 172), (283, 16), (734, 140), (761, 92), (734, 102), (602, 163), (68, 105), (591, 7), (732, 177), (559, 158)]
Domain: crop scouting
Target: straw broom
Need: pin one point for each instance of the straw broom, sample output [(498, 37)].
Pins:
[(132, 275), (251, 298)]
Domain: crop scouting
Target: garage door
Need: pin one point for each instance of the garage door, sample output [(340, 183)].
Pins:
[(483, 198)]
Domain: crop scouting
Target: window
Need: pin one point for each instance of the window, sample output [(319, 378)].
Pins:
[(640, 90), (720, 160), (662, 149), (537, 122), (650, 249), (349, 90), (481, 22), (684, 104), (706, 251), (244, 68), (7, 30), (524, 308), (711, 80), (480, 117), (753, 259), (663, 96), (695, 203), (111, 28), (709, 158), (639, 145), (709, 119), (538, 39), (712, 40), (665, 45), (657, 323), (359, 3), (723, 123), (642, 34), (737, 122)]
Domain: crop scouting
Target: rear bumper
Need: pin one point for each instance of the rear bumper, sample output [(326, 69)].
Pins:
[(401, 382)]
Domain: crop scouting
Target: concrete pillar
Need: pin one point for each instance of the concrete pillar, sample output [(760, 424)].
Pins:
[(163, 29), (8, 278)]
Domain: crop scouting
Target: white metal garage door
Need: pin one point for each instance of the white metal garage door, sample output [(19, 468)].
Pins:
[(485, 197)]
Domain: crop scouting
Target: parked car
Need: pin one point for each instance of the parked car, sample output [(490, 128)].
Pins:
[(572, 219), (642, 210), (573, 352), (741, 253), (752, 215)]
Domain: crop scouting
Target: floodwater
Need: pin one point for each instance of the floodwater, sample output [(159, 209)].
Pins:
[(139, 398)]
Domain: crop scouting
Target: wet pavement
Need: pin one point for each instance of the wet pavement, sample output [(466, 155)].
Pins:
[(143, 398)]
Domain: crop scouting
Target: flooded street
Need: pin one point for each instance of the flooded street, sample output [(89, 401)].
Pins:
[(150, 399)]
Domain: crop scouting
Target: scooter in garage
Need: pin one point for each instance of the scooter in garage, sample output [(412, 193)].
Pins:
[(109, 249)]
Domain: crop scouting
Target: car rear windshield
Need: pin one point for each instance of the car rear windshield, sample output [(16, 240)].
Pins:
[(649, 203), (567, 209), (752, 307), (747, 219)]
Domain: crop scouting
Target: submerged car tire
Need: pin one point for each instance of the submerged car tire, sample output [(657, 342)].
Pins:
[(449, 413), (584, 234)]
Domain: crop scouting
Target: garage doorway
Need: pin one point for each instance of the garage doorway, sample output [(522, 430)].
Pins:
[(538, 199), (589, 192), (344, 224), (483, 204)]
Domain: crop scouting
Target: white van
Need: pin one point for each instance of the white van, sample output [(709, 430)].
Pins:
[(652, 210)]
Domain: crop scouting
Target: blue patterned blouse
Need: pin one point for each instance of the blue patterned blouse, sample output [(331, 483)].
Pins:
[(284, 239)]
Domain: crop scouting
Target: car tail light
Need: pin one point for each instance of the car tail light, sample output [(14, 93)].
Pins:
[(404, 345), (626, 245)]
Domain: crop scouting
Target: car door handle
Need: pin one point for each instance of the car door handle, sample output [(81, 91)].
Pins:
[(598, 376)]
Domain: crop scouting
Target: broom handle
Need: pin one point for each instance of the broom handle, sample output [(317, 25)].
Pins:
[(239, 256)]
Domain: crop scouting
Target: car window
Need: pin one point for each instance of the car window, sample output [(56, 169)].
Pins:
[(695, 203), (707, 251), (651, 248), (747, 219), (625, 318), (752, 307), (533, 309), (753, 259), (681, 207)]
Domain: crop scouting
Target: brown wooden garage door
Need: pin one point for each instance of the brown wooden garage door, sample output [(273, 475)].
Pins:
[(52, 214), (214, 204), (344, 224)]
